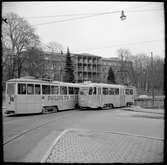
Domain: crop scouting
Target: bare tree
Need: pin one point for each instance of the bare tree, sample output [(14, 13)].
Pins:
[(34, 63), (124, 53), (18, 35), (55, 47), (125, 71), (142, 71)]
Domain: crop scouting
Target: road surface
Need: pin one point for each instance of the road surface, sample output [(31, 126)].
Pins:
[(28, 137)]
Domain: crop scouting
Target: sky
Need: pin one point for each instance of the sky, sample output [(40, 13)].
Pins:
[(143, 31)]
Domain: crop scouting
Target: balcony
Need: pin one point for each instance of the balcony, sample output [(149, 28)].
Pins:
[(85, 69), (90, 61), (85, 61), (80, 60), (80, 69)]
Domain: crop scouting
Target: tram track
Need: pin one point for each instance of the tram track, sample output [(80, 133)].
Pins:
[(22, 133)]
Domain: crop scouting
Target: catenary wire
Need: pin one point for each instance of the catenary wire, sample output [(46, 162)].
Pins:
[(92, 15), (80, 14), (135, 43), (75, 18)]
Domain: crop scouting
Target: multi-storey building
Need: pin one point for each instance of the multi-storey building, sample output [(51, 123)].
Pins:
[(122, 69), (88, 67)]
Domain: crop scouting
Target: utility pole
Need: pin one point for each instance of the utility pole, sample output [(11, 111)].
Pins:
[(122, 71), (152, 78), (122, 76)]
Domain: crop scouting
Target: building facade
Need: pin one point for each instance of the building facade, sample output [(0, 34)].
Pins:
[(122, 70), (88, 67)]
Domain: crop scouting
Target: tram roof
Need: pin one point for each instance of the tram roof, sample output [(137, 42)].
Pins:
[(33, 80), (104, 85)]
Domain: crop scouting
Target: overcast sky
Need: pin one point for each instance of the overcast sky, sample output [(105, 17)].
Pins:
[(103, 35)]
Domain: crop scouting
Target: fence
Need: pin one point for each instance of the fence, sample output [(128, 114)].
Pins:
[(158, 102)]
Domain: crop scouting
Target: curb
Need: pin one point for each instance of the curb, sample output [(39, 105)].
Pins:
[(145, 111), (53, 144), (46, 155)]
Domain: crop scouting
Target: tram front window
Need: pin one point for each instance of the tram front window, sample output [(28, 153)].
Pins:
[(83, 91), (11, 88)]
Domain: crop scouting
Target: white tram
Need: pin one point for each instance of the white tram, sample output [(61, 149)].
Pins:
[(25, 95), (102, 96)]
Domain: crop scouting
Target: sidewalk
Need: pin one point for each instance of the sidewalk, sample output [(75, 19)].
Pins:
[(84, 146), (140, 109)]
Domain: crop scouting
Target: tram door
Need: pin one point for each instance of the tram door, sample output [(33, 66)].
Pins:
[(122, 97), (94, 98), (99, 97)]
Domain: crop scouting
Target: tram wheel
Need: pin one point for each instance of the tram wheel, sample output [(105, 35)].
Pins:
[(44, 110), (99, 108), (55, 109), (105, 107), (111, 106)]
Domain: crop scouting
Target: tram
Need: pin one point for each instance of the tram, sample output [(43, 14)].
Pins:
[(30, 95), (105, 96)]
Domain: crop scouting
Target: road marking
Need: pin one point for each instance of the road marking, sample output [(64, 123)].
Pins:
[(53, 144)]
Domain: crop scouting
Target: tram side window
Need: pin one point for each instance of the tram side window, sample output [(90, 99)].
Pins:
[(127, 91), (105, 91), (71, 90), (117, 91), (37, 89), (76, 90), (22, 89), (131, 91), (30, 89), (90, 91), (11, 88), (45, 89), (94, 90), (54, 90), (111, 91), (63, 90)]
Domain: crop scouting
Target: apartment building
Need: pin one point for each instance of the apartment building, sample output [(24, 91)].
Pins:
[(87, 67)]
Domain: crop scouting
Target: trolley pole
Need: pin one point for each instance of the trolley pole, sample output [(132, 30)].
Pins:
[(152, 78)]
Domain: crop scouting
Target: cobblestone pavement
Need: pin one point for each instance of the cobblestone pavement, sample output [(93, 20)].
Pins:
[(84, 146)]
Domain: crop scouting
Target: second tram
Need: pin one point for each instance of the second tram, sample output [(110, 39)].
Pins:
[(104, 96)]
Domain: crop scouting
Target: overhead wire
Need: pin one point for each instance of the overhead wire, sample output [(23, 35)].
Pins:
[(133, 43), (79, 14), (75, 18), (87, 15)]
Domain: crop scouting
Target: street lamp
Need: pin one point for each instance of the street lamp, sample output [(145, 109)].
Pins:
[(123, 16)]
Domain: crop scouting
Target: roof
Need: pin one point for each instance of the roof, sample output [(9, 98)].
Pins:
[(34, 80), (104, 85), (86, 54)]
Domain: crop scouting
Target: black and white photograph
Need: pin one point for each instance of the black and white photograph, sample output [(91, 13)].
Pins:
[(83, 81)]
